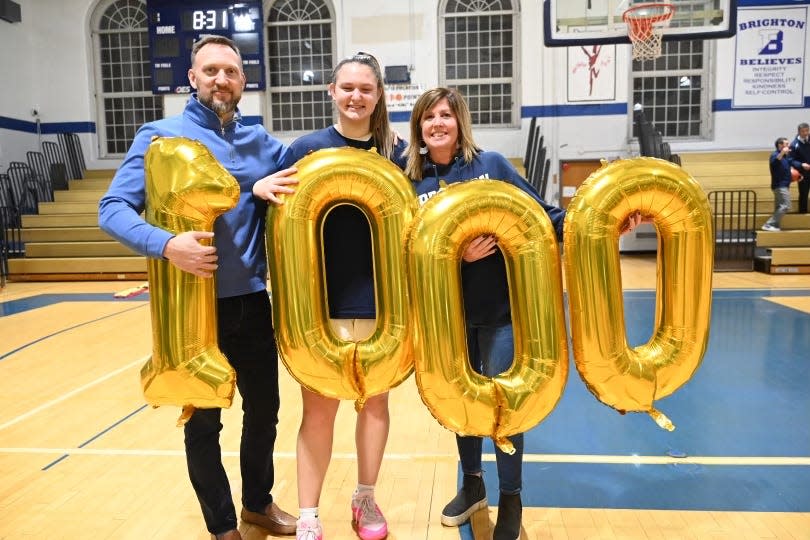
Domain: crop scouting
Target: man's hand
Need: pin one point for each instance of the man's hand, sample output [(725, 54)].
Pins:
[(186, 253), (278, 182), (481, 247)]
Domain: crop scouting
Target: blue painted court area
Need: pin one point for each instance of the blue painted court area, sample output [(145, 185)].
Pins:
[(21, 305), (667, 487), (749, 398)]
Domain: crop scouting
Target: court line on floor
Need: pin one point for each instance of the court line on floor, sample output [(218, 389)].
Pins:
[(43, 338), (755, 461), (181, 453), (96, 436), (63, 397), (662, 460)]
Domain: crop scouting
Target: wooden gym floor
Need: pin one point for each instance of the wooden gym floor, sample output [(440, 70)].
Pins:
[(81, 456)]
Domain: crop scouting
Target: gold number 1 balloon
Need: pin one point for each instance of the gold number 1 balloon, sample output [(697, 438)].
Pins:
[(186, 189), (459, 398), (631, 378)]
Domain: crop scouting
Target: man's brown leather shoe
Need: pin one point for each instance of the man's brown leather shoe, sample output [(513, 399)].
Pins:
[(274, 519)]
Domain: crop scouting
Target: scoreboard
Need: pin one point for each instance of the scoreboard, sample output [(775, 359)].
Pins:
[(174, 26)]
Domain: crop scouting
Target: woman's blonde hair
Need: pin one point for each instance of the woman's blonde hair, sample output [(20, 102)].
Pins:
[(380, 127), (425, 103)]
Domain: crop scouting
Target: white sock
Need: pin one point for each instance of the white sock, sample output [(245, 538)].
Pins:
[(364, 490), (308, 513)]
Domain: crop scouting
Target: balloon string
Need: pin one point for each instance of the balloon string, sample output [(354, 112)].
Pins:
[(501, 442), (661, 419), (504, 444), (185, 415), (359, 381)]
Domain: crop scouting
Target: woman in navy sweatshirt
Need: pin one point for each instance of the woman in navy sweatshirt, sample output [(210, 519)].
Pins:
[(442, 149)]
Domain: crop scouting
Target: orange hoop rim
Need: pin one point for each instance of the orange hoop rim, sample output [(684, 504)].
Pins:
[(632, 16)]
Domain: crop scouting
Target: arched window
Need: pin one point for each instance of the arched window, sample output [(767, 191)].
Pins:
[(124, 97), (480, 57), (299, 62)]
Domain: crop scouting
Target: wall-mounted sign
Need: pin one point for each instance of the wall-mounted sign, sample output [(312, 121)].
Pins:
[(770, 57)]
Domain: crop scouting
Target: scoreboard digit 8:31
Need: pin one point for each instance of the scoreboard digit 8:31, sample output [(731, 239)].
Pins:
[(174, 26)]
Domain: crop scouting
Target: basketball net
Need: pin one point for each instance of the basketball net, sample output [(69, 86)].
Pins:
[(645, 27)]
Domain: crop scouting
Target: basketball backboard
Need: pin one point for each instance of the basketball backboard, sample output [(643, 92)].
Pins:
[(594, 22)]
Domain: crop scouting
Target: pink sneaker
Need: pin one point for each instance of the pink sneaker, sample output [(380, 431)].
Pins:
[(308, 529), (367, 520)]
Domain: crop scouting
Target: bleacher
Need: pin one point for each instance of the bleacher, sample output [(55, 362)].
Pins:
[(536, 166), (49, 217), (738, 185)]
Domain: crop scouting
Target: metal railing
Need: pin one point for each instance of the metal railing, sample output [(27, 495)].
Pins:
[(735, 216), (11, 244)]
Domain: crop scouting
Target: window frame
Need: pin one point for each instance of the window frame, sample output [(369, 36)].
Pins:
[(514, 80), (706, 74), (101, 95), (272, 92)]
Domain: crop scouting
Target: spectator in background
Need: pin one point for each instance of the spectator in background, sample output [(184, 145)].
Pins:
[(800, 160), (780, 184)]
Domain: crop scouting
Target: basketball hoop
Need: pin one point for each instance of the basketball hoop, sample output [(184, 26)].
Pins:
[(645, 27)]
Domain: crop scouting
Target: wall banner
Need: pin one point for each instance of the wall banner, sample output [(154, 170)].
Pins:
[(592, 73), (770, 57)]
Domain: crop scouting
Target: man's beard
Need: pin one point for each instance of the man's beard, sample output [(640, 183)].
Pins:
[(219, 107)]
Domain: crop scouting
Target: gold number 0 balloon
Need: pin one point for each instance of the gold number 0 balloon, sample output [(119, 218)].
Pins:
[(313, 354), (631, 378), (459, 398), (186, 189)]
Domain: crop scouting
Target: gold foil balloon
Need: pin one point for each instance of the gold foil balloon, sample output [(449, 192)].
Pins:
[(631, 378), (186, 189), (313, 354), (459, 398)]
